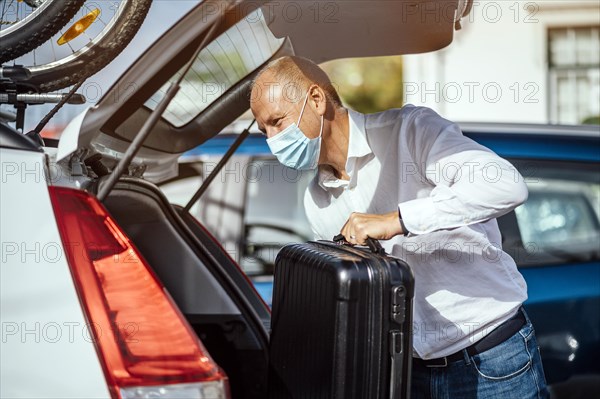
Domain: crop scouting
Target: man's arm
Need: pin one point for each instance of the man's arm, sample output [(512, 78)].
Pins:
[(472, 184)]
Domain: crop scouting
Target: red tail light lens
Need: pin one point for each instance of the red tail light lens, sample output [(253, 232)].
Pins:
[(146, 346)]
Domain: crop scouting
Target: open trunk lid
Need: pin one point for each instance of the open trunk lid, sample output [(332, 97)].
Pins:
[(249, 34)]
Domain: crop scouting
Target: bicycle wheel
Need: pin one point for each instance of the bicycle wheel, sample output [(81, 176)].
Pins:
[(55, 67), (24, 25)]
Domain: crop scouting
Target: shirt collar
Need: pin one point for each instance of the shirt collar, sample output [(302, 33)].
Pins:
[(357, 147), (357, 140)]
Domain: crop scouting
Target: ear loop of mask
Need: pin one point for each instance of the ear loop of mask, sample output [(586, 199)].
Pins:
[(302, 112), (322, 123), (303, 107)]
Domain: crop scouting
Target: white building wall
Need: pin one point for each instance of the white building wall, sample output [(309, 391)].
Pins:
[(496, 69)]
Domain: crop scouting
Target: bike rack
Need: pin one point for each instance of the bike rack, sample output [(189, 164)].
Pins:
[(11, 77)]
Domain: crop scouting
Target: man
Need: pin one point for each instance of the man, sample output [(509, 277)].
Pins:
[(410, 178)]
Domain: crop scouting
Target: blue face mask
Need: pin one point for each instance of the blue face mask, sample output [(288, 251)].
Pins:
[(293, 149)]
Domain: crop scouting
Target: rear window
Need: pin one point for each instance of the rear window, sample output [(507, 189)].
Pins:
[(224, 62), (560, 222)]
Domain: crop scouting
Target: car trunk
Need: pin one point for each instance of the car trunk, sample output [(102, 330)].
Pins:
[(211, 291)]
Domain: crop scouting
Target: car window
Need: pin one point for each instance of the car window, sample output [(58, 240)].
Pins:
[(560, 222), (224, 62), (274, 213)]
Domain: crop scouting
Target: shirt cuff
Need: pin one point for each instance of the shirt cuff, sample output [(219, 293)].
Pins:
[(416, 215), (422, 216)]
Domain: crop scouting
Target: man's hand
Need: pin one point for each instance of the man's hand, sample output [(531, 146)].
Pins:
[(360, 226)]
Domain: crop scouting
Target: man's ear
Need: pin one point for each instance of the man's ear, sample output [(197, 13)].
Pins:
[(318, 97)]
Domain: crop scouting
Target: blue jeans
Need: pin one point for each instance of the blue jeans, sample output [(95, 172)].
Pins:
[(510, 370)]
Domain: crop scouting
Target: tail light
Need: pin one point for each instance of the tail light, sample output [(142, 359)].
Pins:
[(146, 347)]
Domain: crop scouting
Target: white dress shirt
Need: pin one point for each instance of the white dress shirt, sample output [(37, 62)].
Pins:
[(449, 190)]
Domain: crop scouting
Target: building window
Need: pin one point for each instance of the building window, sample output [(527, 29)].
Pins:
[(574, 68)]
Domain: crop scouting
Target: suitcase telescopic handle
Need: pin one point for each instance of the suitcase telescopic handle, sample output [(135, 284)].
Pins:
[(374, 245)]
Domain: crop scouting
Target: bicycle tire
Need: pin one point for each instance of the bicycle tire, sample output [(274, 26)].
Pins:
[(95, 56), (37, 28)]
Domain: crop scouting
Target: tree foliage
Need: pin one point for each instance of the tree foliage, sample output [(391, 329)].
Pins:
[(368, 84)]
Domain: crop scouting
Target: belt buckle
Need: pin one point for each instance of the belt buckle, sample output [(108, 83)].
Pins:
[(445, 364)]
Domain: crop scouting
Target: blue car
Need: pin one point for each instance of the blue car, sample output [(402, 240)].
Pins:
[(554, 237)]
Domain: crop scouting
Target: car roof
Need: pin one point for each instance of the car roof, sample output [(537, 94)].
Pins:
[(538, 141), (532, 129)]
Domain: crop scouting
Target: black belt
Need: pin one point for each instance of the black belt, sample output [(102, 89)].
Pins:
[(500, 334)]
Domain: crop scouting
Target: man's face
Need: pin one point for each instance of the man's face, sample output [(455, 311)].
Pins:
[(276, 106)]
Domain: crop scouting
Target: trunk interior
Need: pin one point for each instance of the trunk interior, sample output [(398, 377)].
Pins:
[(211, 291)]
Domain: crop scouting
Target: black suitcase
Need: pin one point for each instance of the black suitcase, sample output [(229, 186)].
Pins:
[(341, 323)]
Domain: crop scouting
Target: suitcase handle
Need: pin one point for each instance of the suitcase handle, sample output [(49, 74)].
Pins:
[(373, 244)]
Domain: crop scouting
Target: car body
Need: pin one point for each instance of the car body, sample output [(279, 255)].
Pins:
[(112, 291), (44, 329)]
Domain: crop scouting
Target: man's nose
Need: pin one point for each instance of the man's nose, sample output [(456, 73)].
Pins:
[(271, 131)]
